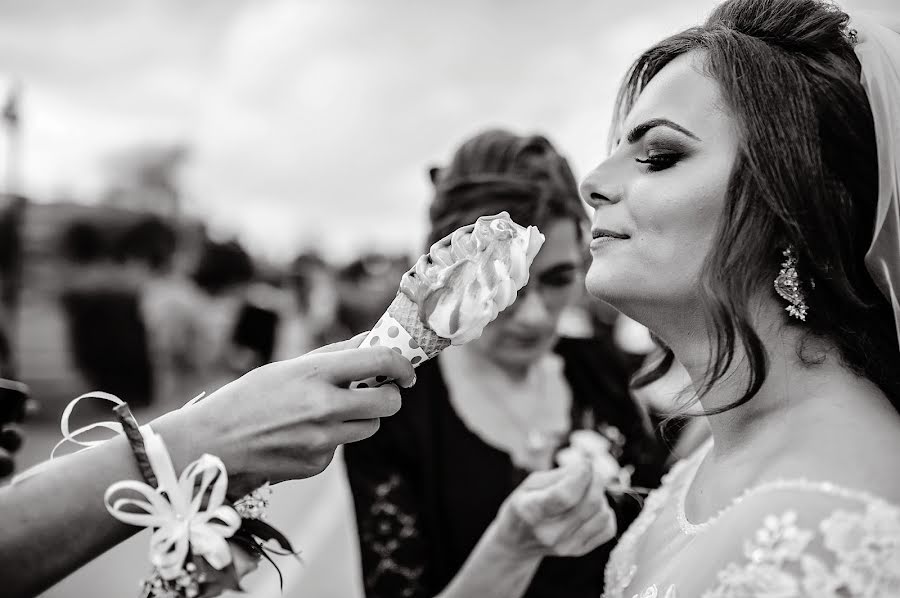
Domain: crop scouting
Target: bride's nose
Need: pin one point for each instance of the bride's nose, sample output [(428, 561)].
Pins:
[(600, 188)]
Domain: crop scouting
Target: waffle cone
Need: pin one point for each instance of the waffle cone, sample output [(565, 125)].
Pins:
[(406, 312)]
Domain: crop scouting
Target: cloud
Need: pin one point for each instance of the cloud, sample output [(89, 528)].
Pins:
[(329, 114), (314, 122)]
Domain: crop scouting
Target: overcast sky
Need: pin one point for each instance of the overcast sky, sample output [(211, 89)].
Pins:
[(312, 122)]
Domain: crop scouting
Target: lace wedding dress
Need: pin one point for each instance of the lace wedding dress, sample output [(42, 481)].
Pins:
[(783, 539)]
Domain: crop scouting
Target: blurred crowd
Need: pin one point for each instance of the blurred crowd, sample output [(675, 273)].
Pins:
[(153, 309)]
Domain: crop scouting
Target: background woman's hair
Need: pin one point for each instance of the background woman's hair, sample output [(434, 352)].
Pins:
[(496, 171), (805, 174)]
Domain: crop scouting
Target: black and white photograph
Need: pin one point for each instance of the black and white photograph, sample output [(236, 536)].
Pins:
[(473, 299)]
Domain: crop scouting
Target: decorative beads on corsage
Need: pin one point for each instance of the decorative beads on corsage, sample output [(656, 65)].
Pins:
[(254, 505)]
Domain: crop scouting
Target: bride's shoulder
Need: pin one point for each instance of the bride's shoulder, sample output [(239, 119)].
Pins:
[(811, 538), (852, 444)]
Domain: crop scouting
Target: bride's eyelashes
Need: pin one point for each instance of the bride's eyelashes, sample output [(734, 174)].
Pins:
[(661, 149), (656, 161)]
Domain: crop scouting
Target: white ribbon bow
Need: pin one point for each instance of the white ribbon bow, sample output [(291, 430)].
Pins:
[(176, 509)]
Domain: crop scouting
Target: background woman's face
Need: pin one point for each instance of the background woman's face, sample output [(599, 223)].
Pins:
[(527, 329), (658, 197)]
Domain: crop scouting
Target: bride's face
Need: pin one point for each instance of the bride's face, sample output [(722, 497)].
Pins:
[(658, 197)]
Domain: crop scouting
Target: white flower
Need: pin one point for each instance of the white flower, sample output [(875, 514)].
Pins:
[(595, 448)]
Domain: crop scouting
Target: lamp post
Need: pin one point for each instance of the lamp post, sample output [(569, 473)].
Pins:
[(12, 120)]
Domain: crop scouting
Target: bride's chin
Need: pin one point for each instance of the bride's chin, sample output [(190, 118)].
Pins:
[(613, 299), (601, 283)]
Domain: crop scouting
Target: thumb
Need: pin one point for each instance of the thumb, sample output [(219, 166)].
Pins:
[(351, 343)]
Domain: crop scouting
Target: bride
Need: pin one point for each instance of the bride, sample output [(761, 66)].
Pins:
[(734, 218)]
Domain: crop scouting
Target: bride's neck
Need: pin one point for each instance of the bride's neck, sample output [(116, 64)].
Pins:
[(781, 407)]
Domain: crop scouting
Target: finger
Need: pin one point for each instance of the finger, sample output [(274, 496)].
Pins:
[(350, 343), (564, 495), (367, 403), (6, 463), (596, 531), (354, 431), (343, 367), (558, 523), (543, 479), (593, 502), (11, 438)]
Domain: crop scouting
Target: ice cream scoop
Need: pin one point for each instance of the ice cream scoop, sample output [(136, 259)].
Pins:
[(467, 278)]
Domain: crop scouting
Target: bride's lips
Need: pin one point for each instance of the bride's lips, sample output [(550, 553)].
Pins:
[(602, 236)]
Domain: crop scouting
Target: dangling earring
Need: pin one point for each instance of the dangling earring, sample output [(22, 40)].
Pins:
[(787, 285)]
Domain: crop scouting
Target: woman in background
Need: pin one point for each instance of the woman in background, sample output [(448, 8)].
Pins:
[(484, 415)]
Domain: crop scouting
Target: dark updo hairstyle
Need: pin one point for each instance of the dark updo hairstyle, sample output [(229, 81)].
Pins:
[(805, 175), (496, 171)]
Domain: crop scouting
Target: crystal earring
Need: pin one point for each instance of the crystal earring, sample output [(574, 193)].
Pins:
[(787, 285)]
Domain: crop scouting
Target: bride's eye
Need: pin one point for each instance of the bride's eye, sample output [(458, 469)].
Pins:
[(657, 161)]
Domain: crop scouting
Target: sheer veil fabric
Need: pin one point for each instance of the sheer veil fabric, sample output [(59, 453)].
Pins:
[(878, 50)]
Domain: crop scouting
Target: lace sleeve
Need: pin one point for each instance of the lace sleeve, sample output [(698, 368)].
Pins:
[(391, 542), (840, 544)]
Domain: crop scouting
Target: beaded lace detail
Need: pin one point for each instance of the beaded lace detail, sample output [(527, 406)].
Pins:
[(864, 548), (849, 553), (620, 569)]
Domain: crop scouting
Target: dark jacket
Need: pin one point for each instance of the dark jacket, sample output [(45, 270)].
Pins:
[(426, 488)]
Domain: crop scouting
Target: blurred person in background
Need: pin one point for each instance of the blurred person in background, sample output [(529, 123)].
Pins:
[(102, 303), (221, 277), (309, 318), (13, 394), (366, 286), (169, 303), (439, 478), (12, 214)]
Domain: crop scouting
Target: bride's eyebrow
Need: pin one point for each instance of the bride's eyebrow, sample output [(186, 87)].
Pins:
[(640, 130)]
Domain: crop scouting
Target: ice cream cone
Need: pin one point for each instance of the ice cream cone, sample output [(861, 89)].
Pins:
[(404, 311), (401, 329)]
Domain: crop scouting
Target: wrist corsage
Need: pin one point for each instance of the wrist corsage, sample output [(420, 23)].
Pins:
[(201, 543)]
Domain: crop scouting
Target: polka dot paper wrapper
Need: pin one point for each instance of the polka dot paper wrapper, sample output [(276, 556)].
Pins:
[(401, 329), (389, 333)]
